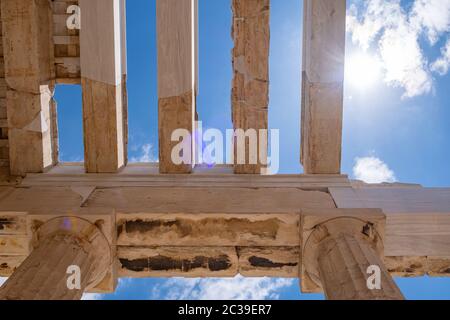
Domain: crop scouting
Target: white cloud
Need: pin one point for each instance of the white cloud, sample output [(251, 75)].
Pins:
[(146, 155), (122, 284), (367, 23), (238, 288), (372, 170), (442, 65), (433, 15), (2, 280), (395, 33)]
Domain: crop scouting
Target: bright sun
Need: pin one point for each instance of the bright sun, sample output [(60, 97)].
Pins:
[(362, 70)]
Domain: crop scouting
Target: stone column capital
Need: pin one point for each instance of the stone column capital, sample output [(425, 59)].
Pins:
[(334, 228), (69, 256), (85, 234)]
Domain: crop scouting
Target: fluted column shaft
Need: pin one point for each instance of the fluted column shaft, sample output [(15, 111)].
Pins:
[(343, 262)]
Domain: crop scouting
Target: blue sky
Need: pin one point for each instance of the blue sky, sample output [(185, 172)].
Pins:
[(396, 128)]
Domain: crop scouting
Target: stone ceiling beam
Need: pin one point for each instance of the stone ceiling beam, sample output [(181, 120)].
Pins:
[(177, 83), (323, 83), (31, 110), (250, 86), (104, 87)]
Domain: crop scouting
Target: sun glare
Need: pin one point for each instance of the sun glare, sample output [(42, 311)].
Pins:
[(362, 70)]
